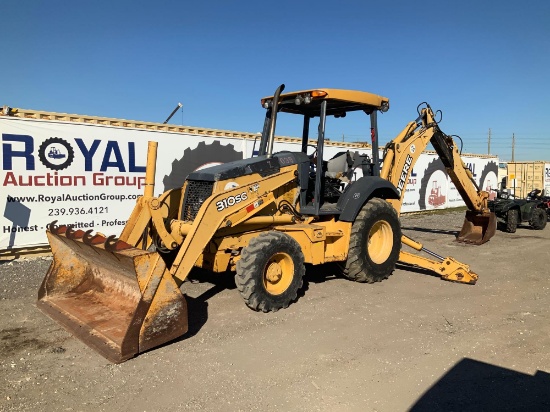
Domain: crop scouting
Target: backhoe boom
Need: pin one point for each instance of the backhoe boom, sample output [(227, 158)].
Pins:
[(401, 154)]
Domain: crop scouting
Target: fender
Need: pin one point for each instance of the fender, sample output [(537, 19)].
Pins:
[(357, 194), (526, 212), (513, 205), (505, 206)]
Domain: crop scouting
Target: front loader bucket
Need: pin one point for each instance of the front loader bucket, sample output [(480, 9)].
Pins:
[(117, 299), (478, 228)]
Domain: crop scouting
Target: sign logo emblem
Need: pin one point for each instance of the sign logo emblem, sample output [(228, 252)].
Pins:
[(56, 153)]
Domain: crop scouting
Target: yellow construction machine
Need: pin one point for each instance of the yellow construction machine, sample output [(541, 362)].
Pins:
[(264, 218)]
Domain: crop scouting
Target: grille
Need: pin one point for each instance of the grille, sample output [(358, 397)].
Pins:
[(195, 195)]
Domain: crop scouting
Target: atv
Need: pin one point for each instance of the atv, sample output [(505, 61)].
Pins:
[(541, 196), (512, 211)]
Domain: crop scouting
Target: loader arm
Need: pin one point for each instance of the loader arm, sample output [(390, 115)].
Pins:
[(401, 154), (209, 219)]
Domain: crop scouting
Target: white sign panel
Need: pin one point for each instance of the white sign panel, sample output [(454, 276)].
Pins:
[(88, 176), (430, 186)]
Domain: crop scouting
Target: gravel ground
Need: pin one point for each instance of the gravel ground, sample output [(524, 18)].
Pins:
[(412, 342)]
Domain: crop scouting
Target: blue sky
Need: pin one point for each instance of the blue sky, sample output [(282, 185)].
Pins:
[(485, 64)]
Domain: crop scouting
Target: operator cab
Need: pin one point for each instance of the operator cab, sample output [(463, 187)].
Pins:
[(323, 183)]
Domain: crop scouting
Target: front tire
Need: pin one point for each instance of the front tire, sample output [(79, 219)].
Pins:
[(512, 220), (375, 243), (538, 220), (270, 271)]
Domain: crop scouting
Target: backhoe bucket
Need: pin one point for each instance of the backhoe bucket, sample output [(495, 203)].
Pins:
[(116, 298), (478, 228)]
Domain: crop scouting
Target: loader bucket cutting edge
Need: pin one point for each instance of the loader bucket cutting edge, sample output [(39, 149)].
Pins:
[(477, 228), (117, 299)]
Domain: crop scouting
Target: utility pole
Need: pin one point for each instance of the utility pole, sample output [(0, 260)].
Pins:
[(513, 145), (489, 143)]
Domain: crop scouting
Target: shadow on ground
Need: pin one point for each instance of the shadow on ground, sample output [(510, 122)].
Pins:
[(198, 306), (416, 269), (435, 231), (477, 386)]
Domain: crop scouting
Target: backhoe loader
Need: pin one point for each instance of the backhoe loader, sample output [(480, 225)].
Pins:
[(263, 217)]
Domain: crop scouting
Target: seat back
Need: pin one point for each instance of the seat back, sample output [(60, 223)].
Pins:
[(338, 166)]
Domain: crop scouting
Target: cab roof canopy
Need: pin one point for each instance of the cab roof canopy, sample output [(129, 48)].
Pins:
[(339, 102)]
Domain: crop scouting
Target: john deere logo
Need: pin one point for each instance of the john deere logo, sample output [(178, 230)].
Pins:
[(55, 153)]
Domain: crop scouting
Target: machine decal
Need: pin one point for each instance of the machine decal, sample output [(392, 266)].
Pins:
[(404, 173), (230, 201), (231, 185), (254, 205)]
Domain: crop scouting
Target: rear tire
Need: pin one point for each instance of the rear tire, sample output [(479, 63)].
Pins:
[(375, 243), (270, 271), (538, 220), (511, 220)]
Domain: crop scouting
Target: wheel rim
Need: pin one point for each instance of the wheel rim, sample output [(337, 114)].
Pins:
[(380, 242), (278, 273)]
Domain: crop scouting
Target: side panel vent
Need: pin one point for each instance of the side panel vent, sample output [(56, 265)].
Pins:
[(195, 194)]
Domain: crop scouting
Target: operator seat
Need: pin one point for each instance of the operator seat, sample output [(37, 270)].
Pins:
[(340, 166)]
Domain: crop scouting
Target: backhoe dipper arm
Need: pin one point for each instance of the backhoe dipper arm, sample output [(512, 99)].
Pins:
[(461, 176)]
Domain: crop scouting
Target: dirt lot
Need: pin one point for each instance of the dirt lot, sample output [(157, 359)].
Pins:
[(413, 342)]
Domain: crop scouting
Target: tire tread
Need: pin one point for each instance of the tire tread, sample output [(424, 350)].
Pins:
[(248, 277), (353, 268)]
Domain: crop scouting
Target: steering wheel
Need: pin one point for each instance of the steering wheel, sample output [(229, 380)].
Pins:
[(312, 161), (313, 155)]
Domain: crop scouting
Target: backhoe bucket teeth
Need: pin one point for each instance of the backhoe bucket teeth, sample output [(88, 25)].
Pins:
[(478, 228), (116, 298)]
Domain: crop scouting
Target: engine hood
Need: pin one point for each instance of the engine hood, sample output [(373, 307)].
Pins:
[(261, 165)]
